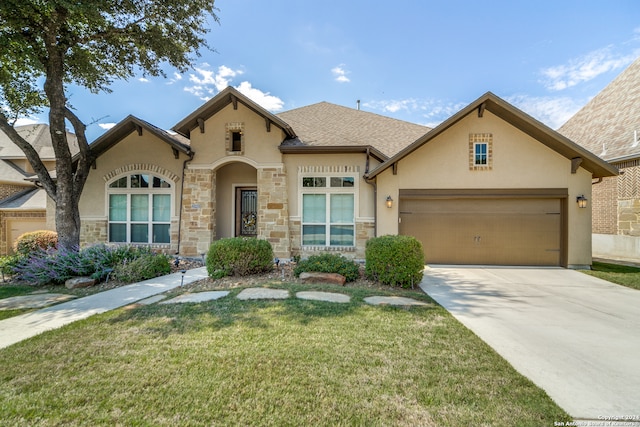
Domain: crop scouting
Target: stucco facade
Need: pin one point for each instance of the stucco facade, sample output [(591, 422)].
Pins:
[(234, 169)]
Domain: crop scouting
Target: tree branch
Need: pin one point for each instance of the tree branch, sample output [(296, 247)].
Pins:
[(32, 155)]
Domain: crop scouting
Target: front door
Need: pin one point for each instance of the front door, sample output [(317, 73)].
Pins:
[(246, 211)]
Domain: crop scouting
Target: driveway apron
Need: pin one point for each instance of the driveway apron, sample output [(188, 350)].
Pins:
[(575, 336)]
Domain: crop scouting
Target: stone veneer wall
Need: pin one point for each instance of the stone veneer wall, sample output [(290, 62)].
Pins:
[(628, 189), (96, 231), (198, 212), (364, 232), (273, 210), (5, 246)]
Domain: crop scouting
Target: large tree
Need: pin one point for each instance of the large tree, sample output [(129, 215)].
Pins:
[(48, 45)]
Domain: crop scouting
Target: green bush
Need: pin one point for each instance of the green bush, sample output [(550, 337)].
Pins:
[(147, 266), (395, 260), (239, 256), (329, 263), (8, 263), (35, 240)]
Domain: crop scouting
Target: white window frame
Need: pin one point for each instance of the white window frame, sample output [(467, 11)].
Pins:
[(149, 192), (328, 191), (485, 153)]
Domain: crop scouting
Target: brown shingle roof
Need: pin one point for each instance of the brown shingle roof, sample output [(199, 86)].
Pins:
[(607, 123), (325, 124)]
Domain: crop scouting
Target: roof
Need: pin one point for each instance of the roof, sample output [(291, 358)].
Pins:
[(522, 121), (220, 101), (133, 124), (11, 173), (39, 137), (31, 199), (326, 124), (609, 124)]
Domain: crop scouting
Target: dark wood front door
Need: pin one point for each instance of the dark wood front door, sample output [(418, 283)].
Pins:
[(246, 211)]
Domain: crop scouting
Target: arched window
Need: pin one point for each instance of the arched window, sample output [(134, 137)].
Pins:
[(140, 209)]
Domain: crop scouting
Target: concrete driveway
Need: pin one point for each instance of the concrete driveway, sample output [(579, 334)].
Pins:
[(575, 336)]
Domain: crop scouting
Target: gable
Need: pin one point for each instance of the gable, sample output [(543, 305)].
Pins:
[(519, 120)]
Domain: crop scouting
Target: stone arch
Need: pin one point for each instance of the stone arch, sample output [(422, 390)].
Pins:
[(138, 167)]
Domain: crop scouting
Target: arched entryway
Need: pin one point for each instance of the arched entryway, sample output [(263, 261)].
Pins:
[(236, 200)]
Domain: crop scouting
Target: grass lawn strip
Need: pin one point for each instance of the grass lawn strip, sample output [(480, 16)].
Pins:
[(284, 362), (624, 275)]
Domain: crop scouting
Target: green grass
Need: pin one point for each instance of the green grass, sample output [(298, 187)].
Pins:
[(621, 274), (7, 291), (290, 362)]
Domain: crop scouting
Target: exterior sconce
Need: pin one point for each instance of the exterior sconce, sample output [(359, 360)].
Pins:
[(389, 202), (582, 201)]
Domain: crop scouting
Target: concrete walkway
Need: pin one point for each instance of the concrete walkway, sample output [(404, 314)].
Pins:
[(575, 336), (18, 328)]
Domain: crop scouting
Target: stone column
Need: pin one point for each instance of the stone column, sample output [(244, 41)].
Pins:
[(273, 210), (198, 212)]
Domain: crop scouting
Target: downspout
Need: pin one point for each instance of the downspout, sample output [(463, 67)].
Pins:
[(374, 184), (184, 167)]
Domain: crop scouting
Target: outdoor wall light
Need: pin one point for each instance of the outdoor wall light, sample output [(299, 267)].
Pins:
[(389, 202), (582, 201)]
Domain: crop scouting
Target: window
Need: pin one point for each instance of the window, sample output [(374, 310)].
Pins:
[(139, 209), (328, 212), (236, 141), (480, 151), (480, 154)]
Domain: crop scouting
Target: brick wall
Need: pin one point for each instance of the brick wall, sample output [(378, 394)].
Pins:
[(605, 206), (8, 190)]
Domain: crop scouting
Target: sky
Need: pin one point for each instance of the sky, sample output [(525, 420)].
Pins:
[(415, 60)]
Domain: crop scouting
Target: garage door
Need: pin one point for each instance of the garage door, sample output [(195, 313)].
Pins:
[(488, 231)]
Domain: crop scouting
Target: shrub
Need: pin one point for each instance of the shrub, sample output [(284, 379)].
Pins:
[(394, 260), (239, 256), (34, 240), (329, 263), (57, 265), (146, 266), (8, 264)]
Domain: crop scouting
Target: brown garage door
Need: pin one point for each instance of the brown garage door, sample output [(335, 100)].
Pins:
[(485, 231)]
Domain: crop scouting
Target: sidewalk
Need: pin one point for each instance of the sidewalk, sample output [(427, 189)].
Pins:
[(16, 329)]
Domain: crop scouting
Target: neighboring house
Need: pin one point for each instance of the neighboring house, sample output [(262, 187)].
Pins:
[(609, 125), (490, 185), (22, 203)]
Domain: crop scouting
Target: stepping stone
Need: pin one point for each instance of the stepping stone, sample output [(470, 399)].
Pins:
[(33, 301), (323, 296), (197, 297), (263, 293), (393, 301)]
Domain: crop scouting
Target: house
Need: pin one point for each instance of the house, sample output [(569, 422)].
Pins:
[(23, 204), (609, 125), (490, 185)]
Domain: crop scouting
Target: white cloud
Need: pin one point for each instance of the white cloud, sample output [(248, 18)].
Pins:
[(206, 83), (340, 74), (176, 77), (552, 111), (264, 99), (106, 126), (584, 68), (24, 121), (432, 110), (143, 80)]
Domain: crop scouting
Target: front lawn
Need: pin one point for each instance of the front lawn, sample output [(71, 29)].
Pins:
[(621, 274), (290, 362)]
